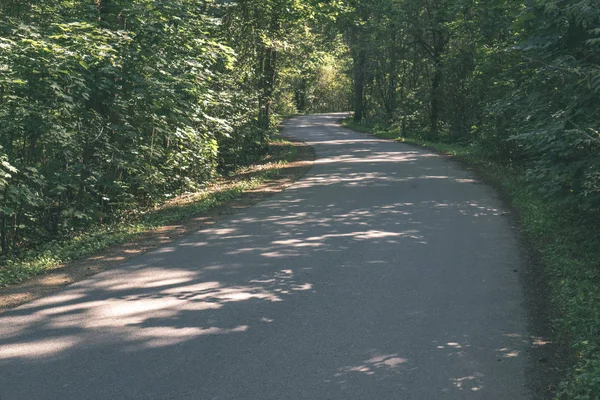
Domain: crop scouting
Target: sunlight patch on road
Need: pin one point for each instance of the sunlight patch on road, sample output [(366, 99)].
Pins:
[(139, 319), (470, 382), (371, 365), (38, 349)]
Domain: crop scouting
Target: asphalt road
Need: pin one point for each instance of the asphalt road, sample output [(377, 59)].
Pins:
[(385, 273)]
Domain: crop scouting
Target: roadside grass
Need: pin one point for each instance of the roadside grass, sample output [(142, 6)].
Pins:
[(566, 243), (52, 255)]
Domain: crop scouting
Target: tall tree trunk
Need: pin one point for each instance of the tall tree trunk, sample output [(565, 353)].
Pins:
[(435, 99), (439, 45), (267, 78), (300, 95), (3, 239), (267, 86), (359, 85), (392, 73)]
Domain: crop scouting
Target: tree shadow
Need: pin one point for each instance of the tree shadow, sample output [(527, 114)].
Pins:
[(384, 270)]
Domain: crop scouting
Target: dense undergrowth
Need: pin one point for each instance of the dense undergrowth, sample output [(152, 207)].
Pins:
[(53, 254), (107, 106), (566, 242)]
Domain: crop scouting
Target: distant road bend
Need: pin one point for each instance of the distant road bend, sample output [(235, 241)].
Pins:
[(385, 273)]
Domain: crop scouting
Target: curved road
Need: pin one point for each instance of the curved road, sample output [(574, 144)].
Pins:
[(386, 273)]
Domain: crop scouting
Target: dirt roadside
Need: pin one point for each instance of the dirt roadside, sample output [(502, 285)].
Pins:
[(42, 285)]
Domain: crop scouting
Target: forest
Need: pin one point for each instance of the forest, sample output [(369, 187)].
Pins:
[(519, 79), (111, 105), (107, 106)]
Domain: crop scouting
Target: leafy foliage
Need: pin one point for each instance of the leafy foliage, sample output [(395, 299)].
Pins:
[(110, 106), (107, 106), (518, 81), (521, 79)]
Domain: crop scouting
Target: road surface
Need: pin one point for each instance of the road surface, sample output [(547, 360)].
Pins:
[(385, 273)]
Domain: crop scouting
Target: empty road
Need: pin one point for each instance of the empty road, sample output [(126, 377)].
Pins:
[(387, 272)]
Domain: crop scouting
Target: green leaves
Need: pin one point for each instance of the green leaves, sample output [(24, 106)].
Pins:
[(6, 172), (105, 110)]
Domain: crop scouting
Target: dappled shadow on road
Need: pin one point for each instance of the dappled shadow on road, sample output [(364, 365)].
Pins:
[(138, 308), (369, 219)]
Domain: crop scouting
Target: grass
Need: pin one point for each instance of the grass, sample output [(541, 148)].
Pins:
[(55, 254), (566, 242)]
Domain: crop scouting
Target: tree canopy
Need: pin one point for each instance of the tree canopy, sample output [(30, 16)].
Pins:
[(107, 105), (111, 105), (520, 79)]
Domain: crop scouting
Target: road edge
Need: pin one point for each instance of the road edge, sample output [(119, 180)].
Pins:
[(111, 258), (547, 359)]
